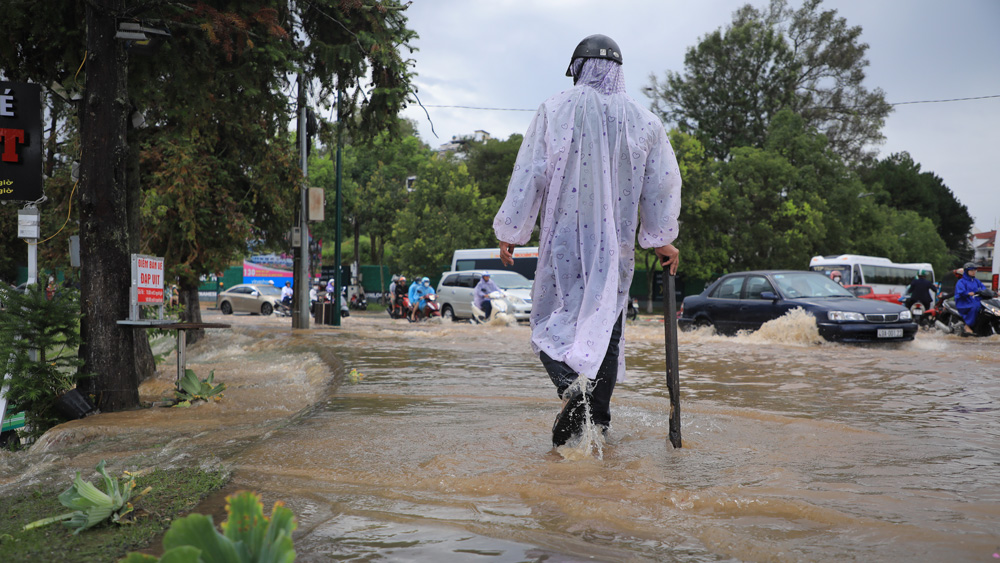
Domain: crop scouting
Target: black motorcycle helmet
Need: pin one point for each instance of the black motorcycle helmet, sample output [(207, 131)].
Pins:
[(595, 47)]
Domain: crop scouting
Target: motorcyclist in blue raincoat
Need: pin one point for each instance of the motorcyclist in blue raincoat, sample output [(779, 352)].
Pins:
[(417, 293), (966, 300)]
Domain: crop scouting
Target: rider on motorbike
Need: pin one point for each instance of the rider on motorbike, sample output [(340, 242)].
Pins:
[(399, 291), (481, 294), (418, 292), (921, 291), (966, 299)]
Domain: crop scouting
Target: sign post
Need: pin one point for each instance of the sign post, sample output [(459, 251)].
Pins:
[(20, 141), (147, 284)]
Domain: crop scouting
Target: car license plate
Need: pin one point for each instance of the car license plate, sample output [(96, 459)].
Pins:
[(890, 333)]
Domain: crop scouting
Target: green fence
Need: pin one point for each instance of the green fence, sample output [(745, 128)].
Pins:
[(232, 276)]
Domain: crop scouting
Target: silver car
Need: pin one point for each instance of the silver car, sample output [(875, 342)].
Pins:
[(455, 293), (258, 298)]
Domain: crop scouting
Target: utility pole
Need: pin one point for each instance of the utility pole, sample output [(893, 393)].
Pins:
[(336, 252), (300, 298)]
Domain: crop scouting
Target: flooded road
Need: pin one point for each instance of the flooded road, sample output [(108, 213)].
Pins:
[(794, 450), (439, 447)]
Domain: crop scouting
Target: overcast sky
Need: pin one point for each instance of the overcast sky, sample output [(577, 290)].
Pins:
[(513, 54)]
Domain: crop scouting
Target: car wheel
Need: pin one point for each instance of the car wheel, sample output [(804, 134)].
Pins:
[(448, 313), (266, 309), (702, 323), (226, 308)]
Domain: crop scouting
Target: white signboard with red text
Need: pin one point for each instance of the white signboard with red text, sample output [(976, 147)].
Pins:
[(147, 284)]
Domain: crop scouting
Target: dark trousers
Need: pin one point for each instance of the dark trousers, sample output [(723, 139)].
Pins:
[(601, 388), (487, 308)]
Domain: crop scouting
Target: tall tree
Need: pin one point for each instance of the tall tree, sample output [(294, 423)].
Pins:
[(351, 45), (704, 215), (491, 162), (736, 79), (375, 178), (445, 212), (105, 240), (905, 187)]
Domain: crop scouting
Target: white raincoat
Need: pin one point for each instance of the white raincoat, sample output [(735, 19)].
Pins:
[(591, 158)]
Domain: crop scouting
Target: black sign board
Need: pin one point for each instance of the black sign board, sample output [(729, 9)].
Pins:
[(20, 141)]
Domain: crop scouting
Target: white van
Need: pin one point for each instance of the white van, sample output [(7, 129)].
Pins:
[(525, 260)]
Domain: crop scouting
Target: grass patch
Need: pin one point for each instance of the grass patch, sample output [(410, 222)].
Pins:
[(175, 491)]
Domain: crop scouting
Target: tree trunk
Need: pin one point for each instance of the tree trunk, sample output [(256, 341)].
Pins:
[(108, 349), (192, 309), (357, 248), (145, 364)]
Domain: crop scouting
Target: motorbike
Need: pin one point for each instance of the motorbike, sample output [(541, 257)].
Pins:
[(359, 302), (987, 320), (498, 305), (400, 309), (283, 308), (430, 309), (924, 317)]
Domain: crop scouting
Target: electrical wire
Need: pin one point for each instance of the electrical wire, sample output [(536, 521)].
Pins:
[(945, 101), (891, 104), (69, 212)]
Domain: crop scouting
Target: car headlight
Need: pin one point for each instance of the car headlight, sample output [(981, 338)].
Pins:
[(515, 300), (905, 316), (844, 316)]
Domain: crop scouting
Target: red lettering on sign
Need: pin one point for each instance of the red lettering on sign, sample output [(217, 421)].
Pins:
[(10, 138)]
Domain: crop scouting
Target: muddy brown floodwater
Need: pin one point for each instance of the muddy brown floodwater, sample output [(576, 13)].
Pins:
[(794, 449)]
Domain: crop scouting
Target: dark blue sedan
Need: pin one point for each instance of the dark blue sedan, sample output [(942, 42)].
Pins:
[(746, 300)]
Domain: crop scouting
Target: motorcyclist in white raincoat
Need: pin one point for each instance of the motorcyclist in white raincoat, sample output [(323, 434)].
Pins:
[(592, 160)]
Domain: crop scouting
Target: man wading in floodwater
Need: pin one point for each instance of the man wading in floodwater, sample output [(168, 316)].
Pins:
[(592, 160)]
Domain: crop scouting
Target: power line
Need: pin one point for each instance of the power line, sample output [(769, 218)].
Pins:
[(482, 108), (892, 104), (944, 101)]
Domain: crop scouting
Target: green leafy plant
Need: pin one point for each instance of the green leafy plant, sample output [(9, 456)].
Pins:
[(90, 505), (355, 376), (194, 389), (247, 536), (39, 339)]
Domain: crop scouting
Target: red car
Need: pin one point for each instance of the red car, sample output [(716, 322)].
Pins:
[(866, 292)]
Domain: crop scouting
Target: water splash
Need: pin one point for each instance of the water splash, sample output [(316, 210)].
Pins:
[(502, 319), (590, 442), (796, 327)]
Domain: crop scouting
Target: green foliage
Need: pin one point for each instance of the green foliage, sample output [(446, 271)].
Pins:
[(31, 324), (174, 492), (445, 212), (374, 182), (704, 242), (218, 169), (737, 79), (780, 204), (902, 185), (194, 389), (491, 162), (735, 82), (247, 536), (90, 505)]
